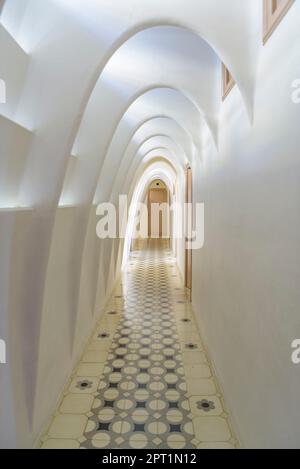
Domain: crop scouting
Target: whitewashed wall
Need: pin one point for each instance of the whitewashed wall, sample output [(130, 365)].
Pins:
[(95, 84), (247, 296)]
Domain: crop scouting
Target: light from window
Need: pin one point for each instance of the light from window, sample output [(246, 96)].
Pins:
[(228, 81), (274, 11)]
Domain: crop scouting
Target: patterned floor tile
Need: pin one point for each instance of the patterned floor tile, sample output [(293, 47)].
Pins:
[(144, 380)]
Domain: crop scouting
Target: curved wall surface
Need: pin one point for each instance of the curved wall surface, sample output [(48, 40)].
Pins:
[(102, 95)]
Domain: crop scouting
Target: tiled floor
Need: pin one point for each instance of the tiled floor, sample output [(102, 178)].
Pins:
[(144, 380)]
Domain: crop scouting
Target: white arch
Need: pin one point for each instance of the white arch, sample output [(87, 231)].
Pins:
[(159, 170)]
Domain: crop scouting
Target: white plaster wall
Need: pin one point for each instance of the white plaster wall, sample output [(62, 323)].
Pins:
[(15, 142), (17, 386), (59, 269), (12, 70), (7, 410), (246, 287)]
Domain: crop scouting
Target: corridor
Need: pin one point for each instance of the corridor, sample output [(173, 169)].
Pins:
[(128, 120), (144, 380)]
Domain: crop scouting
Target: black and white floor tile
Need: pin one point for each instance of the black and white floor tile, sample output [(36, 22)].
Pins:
[(144, 380)]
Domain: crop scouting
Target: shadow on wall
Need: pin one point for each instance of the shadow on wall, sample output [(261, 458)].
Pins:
[(1, 5)]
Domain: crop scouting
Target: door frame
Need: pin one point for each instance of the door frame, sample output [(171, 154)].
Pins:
[(166, 200), (188, 281)]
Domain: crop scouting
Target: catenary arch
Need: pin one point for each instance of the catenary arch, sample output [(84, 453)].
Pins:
[(121, 146), (88, 178), (224, 44), (179, 151), (180, 160), (156, 151), (91, 163), (238, 71), (150, 144), (156, 103), (161, 170), (86, 239), (155, 155), (163, 126), (42, 195), (69, 152), (89, 169), (95, 135), (157, 120), (90, 138)]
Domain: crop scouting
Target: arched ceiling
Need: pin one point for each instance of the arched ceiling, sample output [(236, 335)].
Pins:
[(110, 54), (157, 132), (184, 61), (156, 169), (120, 85)]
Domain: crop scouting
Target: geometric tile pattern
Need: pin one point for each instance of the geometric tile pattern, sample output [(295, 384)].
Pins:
[(142, 399), (144, 380)]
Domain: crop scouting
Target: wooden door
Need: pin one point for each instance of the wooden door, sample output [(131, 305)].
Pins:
[(156, 196), (189, 225)]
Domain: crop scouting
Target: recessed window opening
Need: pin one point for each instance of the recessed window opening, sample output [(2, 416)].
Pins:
[(228, 81), (274, 12)]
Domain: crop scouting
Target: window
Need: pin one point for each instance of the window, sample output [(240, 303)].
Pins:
[(274, 11), (228, 81)]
